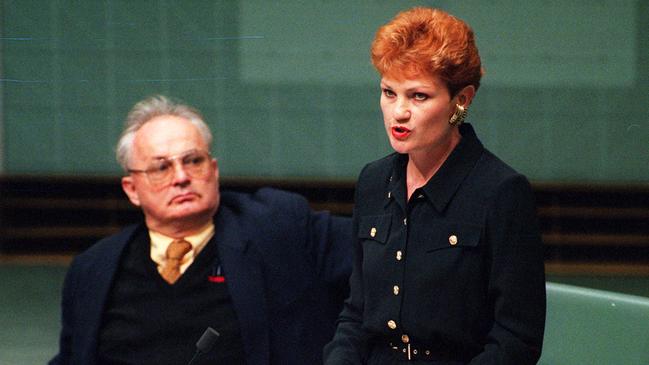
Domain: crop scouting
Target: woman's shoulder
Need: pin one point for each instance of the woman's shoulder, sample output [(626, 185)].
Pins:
[(375, 177), (380, 167), (493, 176), (495, 168)]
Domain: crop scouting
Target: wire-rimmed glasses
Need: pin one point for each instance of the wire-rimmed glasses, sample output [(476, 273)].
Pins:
[(195, 163)]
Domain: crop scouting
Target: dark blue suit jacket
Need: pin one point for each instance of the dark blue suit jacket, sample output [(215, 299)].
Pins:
[(287, 269)]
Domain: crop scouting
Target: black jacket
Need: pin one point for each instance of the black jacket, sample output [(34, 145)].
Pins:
[(458, 269), (286, 267)]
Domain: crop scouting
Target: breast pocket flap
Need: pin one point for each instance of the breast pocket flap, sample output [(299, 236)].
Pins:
[(454, 235), (375, 227)]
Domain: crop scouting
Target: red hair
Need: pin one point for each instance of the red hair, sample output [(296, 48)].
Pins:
[(431, 42)]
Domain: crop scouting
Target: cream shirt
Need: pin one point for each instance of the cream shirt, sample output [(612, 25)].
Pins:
[(160, 242)]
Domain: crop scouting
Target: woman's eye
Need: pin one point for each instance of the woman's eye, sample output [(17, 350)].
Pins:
[(388, 92), (420, 96)]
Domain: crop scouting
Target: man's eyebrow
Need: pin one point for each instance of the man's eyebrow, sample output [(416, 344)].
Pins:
[(165, 157)]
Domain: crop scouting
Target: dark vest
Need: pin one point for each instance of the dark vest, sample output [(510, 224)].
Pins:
[(148, 321)]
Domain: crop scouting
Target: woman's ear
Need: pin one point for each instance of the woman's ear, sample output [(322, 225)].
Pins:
[(465, 96)]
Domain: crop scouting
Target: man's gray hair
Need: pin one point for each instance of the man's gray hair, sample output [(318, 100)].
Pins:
[(149, 108)]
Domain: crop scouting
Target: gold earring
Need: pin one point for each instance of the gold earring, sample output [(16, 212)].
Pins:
[(459, 115)]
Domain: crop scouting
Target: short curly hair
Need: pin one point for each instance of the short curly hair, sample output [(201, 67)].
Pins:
[(431, 42), (149, 108)]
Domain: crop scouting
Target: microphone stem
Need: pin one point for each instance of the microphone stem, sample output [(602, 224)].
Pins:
[(198, 352)]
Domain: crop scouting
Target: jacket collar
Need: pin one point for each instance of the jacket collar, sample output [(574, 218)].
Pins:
[(98, 283), (245, 281), (444, 184)]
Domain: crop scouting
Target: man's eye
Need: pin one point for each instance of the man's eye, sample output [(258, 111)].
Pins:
[(193, 160), (161, 166)]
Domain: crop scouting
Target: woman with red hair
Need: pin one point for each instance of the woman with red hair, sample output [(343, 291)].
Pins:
[(448, 261)]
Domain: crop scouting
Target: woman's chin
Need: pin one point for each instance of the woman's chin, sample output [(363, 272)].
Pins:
[(399, 146)]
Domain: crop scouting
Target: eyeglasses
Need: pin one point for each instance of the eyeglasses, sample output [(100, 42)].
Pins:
[(195, 163)]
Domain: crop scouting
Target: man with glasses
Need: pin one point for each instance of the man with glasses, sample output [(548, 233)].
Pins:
[(262, 269)]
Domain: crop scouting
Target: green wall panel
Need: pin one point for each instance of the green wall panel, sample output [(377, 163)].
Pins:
[(290, 92)]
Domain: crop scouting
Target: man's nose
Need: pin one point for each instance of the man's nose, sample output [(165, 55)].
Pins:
[(180, 175)]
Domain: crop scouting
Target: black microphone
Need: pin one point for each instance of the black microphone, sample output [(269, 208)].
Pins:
[(205, 343)]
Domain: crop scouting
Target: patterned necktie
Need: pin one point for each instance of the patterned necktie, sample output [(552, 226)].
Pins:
[(175, 253)]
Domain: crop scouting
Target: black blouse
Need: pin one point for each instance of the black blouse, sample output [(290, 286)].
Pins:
[(456, 271)]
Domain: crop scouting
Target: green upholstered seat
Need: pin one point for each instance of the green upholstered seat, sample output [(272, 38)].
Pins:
[(588, 326)]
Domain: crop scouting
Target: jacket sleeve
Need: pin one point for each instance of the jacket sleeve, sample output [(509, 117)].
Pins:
[(348, 345), (333, 242), (329, 242), (516, 286), (65, 339), (325, 238)]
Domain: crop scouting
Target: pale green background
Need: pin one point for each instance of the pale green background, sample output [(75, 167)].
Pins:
[(290, 92)]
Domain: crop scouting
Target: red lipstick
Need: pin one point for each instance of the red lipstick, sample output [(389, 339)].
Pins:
[(400, 132)]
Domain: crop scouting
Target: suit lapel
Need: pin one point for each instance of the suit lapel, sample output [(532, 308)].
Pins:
[(244, 277), (245, 280), (104, 268)]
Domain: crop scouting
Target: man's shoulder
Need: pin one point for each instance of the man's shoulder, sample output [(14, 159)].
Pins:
[(267, 212), (262, 201), (107, 245)]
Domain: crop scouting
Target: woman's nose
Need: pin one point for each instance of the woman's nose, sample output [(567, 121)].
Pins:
[(401, 110)]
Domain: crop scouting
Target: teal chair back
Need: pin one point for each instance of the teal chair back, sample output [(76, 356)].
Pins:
[(588, 326)]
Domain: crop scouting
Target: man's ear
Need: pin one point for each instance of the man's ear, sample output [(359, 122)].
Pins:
[(129, 188), (215, 166)]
